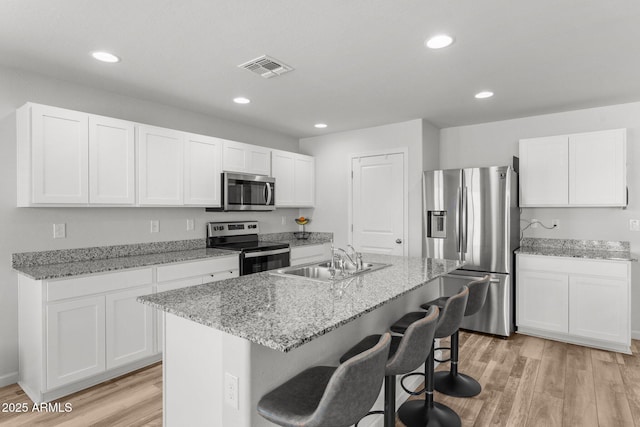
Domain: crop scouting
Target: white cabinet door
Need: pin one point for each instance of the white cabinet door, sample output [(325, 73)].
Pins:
[(304, 180), (111, 161), (129, 327), (310, 253), (283, 170), (75, 340), (597, 168), (599, 308), (246, 158), (59, 155), (160, 166), (543, 301), (544, 163), (202, 169)]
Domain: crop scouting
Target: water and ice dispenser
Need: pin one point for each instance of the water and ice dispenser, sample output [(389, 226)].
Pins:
[(437, 224)]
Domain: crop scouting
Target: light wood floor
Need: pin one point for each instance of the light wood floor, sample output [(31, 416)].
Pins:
[(526, 382)]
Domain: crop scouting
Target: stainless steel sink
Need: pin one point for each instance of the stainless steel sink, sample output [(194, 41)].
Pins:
[(322, 272)]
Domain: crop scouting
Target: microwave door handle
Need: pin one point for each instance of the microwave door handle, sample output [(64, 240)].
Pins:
[(269, 193)]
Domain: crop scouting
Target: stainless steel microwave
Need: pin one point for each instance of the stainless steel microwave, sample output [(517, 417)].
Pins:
[(244, 192)]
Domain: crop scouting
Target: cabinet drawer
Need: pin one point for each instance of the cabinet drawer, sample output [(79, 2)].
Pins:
[(605, 268), (220, 275), (99, 283), (197, 268), (307, 251)]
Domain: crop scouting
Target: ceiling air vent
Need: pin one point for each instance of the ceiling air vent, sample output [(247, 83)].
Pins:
[(266, 66)]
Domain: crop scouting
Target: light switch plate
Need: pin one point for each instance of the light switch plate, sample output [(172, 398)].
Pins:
[(634, 224), (155, 226), (231, 390), (190, 223)]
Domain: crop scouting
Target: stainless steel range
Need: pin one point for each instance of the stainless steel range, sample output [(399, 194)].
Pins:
[(255, 255)]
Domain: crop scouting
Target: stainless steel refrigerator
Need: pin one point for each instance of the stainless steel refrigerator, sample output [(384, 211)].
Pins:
[(472, 215)]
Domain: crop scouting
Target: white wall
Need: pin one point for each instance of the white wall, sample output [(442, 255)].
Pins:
[(332, 153), (495, 143), (30, 229)]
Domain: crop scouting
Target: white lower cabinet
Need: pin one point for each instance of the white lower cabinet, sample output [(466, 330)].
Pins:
[(579, 301), (310, 253), (75, 343), (129, 327)]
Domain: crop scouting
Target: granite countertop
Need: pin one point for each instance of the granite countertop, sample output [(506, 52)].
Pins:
[(571, 248), (283, 313), (74, 262)]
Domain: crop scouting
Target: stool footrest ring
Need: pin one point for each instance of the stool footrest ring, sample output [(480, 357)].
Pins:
[(443, 360), (370, 413), (406, 390)]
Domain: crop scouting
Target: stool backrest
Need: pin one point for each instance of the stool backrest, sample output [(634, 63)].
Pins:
[(477, 295), (354, 387), (452, 313), (415, 344)]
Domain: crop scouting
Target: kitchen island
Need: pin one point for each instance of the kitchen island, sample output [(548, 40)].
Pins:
[(228, 343)]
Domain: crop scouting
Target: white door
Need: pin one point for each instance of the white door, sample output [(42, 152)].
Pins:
[(60, 149), (543, 301), (597, 173), (75, 340), (202, 169), (378, 204), (599, 308), (160, 166), (111, 161), (129, 326)]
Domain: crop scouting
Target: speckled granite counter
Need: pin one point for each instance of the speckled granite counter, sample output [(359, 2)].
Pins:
[(284, 313), (590, 249), (315, 238), (74, 262)]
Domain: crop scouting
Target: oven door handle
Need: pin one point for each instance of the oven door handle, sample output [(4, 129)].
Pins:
[(265, 253)]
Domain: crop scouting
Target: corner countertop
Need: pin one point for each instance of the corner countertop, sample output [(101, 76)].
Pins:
[(283, 313), (586, 249)]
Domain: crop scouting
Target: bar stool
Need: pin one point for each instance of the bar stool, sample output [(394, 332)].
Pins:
[(453, 383), (415, 413), (406, 354), (329, 396)]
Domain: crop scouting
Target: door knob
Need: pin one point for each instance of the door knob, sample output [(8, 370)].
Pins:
[(398, 241)]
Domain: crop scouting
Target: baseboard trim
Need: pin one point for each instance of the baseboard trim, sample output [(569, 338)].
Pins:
[(8, 379), (635, 335)]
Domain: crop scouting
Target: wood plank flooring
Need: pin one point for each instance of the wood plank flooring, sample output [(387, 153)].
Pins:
[(526, 382)]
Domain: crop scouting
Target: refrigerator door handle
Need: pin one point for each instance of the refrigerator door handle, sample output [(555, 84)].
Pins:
[(465, 224), (459, 223)]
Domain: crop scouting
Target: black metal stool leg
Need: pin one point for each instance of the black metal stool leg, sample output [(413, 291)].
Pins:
[(453, 383), (418, 413), (389, 401)]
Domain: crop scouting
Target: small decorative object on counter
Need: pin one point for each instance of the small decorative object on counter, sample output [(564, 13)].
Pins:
[(302, 235)]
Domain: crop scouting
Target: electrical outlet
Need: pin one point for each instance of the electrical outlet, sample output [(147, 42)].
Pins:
[(59, 231), (231, 390), (190, 225), (555, 223), (284, 220), (155, 226), (634, 224), (534, 223)]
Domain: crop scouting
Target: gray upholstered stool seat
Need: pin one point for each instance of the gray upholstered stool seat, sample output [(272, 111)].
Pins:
[(417, 413), (406, 354), (453, 383), (328, 396)]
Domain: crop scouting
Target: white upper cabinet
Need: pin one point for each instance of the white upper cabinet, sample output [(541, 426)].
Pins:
[(160, 166), (587, 169), (52, 155), (295, 179), (111, 161), (544, 180), (246, 158), (597, 168), (202, 169)]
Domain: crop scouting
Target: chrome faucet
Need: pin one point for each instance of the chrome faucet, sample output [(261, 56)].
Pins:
[(343, 257)]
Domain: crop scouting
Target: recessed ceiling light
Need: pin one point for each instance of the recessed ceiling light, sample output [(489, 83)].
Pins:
[(241, 100), (484, 94), (320, 125), (105, 57), (439, 41)]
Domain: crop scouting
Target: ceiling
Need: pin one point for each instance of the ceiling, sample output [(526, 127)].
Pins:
[(358, 63)]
